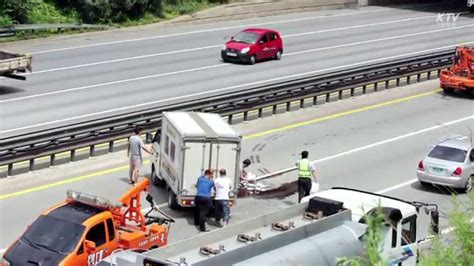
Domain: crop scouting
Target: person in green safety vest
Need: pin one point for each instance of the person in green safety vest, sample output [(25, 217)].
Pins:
[(306, 173)]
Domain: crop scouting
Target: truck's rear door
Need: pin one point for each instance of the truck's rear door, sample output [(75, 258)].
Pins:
[(225, 155), (196, 160)]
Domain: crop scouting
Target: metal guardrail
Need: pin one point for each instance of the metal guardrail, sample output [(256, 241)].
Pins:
[(31, 146), (11, 30)]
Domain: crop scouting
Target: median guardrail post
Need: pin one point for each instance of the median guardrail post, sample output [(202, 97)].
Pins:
[(428, 76), (52, 159), (111, 146), (10, 169), (408, 79), (364, 89), (92, 151)]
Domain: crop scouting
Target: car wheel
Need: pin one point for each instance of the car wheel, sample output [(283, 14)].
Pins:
[(277, 55), (224, 59), (252, 60), (468, 187), (155, 179), (448, 90), (172, 201)]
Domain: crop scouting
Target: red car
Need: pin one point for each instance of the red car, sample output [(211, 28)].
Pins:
[(253, 44)]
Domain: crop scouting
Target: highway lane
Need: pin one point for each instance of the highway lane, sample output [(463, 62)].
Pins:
[(312, 45), (372, 148)]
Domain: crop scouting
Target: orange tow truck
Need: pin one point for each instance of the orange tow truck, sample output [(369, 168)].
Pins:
[(86, 229), (460, 76)]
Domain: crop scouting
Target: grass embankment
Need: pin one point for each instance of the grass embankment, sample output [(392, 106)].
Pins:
[(113, 13)]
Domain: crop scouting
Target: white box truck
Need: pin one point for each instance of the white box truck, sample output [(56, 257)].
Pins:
[(188, 144)]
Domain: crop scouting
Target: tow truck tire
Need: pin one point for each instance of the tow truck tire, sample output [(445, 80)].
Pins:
[(172, 202), (448, 90), (155, 179)]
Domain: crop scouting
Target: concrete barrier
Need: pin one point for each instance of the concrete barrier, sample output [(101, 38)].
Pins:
[(261, 8)]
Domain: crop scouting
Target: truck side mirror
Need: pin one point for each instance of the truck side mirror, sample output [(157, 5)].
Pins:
[(90, 246), (435, 221)]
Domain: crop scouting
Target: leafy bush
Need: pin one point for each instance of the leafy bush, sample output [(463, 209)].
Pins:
[(16, 10)]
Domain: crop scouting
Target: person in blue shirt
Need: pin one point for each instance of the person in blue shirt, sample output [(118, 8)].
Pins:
[(203, 200)]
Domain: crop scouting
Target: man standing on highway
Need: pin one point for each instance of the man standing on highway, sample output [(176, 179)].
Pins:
[(134, 152), (223, 185), (202, 201), (306, 172)]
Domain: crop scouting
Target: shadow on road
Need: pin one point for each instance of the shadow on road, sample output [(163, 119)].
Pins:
[(5, 90)]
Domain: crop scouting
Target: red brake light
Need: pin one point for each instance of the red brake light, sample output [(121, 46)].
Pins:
[(420, 166), (457, 172)]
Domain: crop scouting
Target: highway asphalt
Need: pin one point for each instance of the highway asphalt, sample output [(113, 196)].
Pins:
[(83, 77), (372, 142)]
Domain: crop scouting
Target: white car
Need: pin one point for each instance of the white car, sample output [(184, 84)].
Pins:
[(449, 163)]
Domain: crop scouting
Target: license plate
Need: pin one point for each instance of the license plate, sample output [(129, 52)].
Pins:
[(438, 170), (231, 54)]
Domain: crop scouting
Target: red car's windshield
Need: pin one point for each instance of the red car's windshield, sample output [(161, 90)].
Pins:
[(246, 37)]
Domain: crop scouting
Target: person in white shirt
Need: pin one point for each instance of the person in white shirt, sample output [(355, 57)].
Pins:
[(223, 186)]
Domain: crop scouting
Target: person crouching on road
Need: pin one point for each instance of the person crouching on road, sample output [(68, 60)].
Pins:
[(202, 201), (134, 152), (223, 185), (306, 172)]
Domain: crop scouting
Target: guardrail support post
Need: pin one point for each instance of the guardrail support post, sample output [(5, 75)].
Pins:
[(387, 84), (111, 146), (315, 100), (328, 97), (340, 95), (148, 137), (301, 103), (439, 72), (246, 116), (274, 109), (73, 155), (229, 119), (364, 89), (32, 165), (398, 82), (418, 77), (428, 76), (260, 112), (92, 151), (10, 169), (52, 160), (376, 86), (352, 92), (288, 106), (408, 80)]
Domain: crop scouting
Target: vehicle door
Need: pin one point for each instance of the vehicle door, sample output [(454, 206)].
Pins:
[(263, 49), (97, 235), (404, 243), (273, 43)]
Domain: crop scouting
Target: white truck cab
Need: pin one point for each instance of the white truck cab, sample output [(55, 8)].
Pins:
[(188, 144), (411, 223)]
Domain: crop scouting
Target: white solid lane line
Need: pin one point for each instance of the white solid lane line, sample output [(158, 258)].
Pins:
[(223, 64), (218, 45), (207, 30), (221, 89)]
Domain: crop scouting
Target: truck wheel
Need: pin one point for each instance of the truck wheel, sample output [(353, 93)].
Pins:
[(172, 202), (448, 90), (153, 247), (155, 179)]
